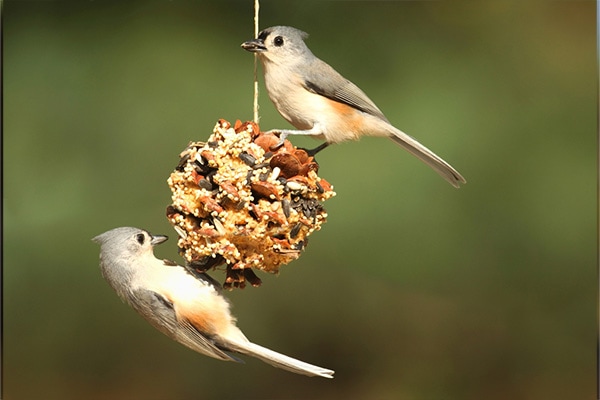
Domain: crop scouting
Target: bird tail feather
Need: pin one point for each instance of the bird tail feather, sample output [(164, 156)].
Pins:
[(281, 361), (427, 156)]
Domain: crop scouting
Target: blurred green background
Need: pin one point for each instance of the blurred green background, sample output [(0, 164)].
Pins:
[(412, 290)]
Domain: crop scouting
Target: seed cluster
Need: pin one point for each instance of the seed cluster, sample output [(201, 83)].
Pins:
[(240, 202)]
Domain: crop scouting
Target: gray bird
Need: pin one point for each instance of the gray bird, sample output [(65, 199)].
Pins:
[(318, 101), (188, 308)]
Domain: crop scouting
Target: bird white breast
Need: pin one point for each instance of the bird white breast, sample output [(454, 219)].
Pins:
[(297, 105), (188, 293)]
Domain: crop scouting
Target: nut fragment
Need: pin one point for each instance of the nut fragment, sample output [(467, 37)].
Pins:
[(288, 164), (237, 202)]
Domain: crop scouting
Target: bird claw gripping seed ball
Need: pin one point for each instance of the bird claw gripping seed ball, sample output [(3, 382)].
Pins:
[(239, 201)]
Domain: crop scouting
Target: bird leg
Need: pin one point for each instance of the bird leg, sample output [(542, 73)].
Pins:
[(313, 152), (283, 134)]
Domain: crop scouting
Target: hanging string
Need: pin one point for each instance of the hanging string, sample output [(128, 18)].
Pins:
[(255, 118)]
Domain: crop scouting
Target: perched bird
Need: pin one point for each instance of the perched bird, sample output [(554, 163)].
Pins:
[(188, 308), (317, 100)]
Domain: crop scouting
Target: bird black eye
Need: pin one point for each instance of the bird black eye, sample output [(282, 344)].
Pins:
[(140, 238), (278, 41)]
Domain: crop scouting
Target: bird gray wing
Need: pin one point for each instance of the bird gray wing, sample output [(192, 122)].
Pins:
[(160, 312), (322, 79)]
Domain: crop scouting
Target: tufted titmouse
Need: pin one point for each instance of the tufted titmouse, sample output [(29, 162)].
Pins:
[(318, 101), (188, 308)]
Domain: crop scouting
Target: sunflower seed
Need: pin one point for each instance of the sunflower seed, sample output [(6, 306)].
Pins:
[(248, 159), (286, 207), (295, 230)]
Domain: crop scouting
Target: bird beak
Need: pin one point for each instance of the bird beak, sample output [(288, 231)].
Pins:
[(254, 46), (158, 239)]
